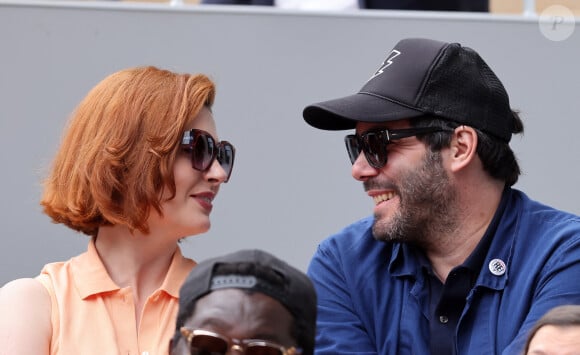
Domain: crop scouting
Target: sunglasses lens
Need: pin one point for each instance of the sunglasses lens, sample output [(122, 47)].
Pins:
[(208, 345), (376, 149), (225, 157), (352, 147), (203, 151), (262, 350)]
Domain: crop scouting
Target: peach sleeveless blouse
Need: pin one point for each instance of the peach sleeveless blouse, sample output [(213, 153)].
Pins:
[(92, 315)]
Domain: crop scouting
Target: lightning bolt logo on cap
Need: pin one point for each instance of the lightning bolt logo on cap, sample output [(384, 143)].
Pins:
[(394, 53)]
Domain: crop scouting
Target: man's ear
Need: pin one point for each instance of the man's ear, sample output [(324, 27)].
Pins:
[(463, 147)]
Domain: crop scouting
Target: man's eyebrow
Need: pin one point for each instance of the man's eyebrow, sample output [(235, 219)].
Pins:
[(213, 322)]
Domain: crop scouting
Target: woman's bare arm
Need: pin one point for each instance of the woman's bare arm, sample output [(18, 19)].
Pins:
[(25, 324)]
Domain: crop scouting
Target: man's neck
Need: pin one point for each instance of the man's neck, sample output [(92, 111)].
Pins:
[(451, 249)]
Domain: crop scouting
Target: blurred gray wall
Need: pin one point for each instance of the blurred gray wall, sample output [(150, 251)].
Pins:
[(291, 186)]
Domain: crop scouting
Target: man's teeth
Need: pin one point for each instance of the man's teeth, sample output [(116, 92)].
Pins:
[(384, 197)]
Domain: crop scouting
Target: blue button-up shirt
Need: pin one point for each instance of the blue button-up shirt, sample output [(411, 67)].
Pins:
[(374, 297)]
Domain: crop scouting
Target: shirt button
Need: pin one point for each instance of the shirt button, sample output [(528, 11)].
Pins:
[(443, 319)]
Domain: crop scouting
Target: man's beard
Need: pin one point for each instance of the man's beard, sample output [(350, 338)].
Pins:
[(427, 205)]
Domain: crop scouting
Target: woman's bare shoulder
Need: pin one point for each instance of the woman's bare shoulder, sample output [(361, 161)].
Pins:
[(25, 324), (24, 290)]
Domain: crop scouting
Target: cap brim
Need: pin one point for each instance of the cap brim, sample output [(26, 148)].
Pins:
[(343, 113)]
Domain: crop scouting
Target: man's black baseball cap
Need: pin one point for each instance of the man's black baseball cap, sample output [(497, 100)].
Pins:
[(424, 77)]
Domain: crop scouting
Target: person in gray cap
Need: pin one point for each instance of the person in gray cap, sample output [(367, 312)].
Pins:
[(454, 260), (247, 302)]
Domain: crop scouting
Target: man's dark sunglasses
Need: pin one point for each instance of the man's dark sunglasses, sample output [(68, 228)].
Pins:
[(204, 149), (374, 143), (203, 342)]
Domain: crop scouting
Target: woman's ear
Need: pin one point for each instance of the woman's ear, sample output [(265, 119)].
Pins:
[(463, 147)]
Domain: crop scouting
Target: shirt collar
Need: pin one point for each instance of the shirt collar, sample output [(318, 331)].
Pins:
[(91, 277), (405, 261), (178, 271)]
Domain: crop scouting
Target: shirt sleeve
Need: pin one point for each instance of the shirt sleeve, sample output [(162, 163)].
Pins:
[(339, 328), (557, 285)]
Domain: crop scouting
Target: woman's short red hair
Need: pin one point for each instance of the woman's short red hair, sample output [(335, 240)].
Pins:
[(118, 151)]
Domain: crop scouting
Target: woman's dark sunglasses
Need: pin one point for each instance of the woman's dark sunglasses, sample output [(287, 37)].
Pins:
[(203, 342), (374, 143), (204, 149)]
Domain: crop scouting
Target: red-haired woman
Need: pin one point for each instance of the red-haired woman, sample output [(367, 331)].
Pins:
[(137, 170)]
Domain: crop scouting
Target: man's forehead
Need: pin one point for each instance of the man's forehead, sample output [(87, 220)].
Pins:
[(229, 305), (243, 314)]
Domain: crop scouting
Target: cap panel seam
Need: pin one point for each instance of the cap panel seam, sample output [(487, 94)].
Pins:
[(391, 100), (430, 72)]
